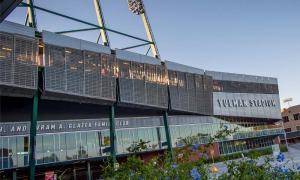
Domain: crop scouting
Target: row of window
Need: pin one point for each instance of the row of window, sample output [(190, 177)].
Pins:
[(228, 147), (59, 147), (244, 87), (296, 117)]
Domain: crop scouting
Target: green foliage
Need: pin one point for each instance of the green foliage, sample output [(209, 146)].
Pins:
[(283, 148), (157, 168), (138, 146), (163, 167)]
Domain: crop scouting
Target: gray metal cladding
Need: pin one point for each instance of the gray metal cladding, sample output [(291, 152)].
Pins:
[(183, 68), (208, 95), (201, 107), (139, 58), (190, 92), (125, 82), (92, 77), (14, 28), (81, 73), (55, 75), (6, 58), (18, 63), (74, 71), (25, 72), (241, 77), (108, 76), (142, 84), (247, 105)]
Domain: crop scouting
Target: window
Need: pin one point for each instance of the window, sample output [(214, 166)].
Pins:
[(288, 130), (62, 147), (298, 128), (48, 148), (71, 146), (285, 119), (297, 116)]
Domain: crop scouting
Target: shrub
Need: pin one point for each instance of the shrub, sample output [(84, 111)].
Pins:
[(283, 148)]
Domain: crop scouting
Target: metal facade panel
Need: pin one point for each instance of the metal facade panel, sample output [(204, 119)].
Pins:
[(152, 93), (18, 63), (142, 84), (126, 90), (108, 76), (25, 67), (208, 89), (94, 47), (55, 75), (241, 77), (74, 71), (61, 40), (247, 105), (135, 57), (162, 96), (80, 73), (125, 82), (183, 68), (92, 80), (6, 58), (14, 28), (190, 92)]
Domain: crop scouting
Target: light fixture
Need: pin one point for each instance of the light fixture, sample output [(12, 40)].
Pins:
[(136, 6)]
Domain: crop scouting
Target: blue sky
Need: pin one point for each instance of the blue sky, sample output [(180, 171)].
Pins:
[(260, 37)]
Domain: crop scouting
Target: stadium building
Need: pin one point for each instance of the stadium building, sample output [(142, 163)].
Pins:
[(68, 104), (83, 87)]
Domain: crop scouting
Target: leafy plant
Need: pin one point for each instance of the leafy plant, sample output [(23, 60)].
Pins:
[(138, 146)]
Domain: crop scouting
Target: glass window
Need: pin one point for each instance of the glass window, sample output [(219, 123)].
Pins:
[(119, 142), (39, 149), (288, 130), (48, 145), (297, 116), (1, 154), (71, 146), (285, 119), (62, 148), (91, 144), (22, 150), (5, 152), (105, 142), (13, 151), (82, 144)]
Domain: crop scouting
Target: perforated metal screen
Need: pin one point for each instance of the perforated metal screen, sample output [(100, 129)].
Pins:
[(6, 58), (80, 73), (190, 92), (18, 61), (142, 84)]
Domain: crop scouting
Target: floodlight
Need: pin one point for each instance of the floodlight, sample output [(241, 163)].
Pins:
[(136, 6)]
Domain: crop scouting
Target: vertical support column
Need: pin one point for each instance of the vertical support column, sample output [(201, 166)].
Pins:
[(33, 124), (89, 171), (149, 33), (14, 175), (31, 14), (112, 133), (74, 173), (101, 23), (168, 135), (32, 141)]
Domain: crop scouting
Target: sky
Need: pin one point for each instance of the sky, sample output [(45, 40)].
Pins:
[(257, 37)]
